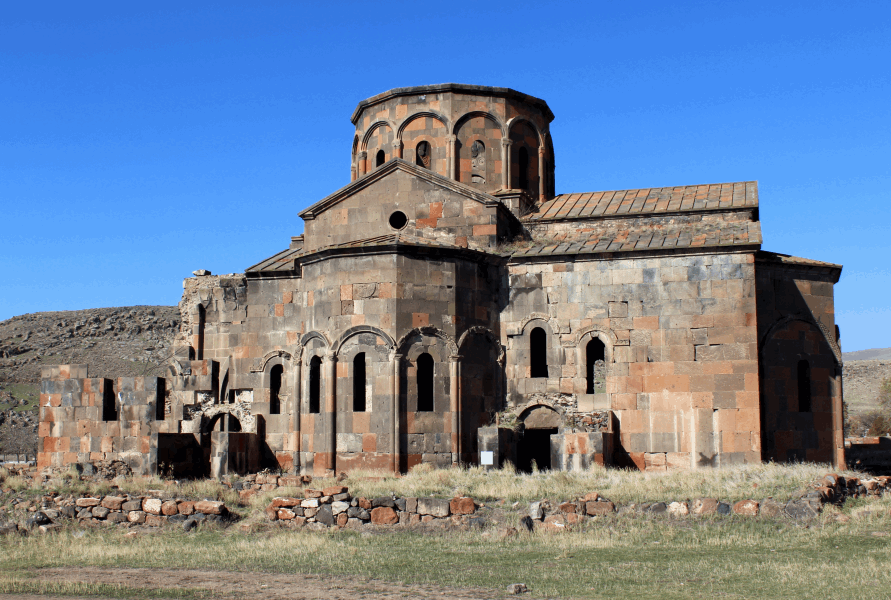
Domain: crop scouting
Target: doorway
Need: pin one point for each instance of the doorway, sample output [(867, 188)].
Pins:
[(540, 423)]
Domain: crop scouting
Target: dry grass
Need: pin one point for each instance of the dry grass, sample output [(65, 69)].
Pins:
[(621, 486), (616, 557)]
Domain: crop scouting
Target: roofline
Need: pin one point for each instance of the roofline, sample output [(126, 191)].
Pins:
[(668, 213), (385, 169), (480, 90), (628, 254), (399, 248), (775, 259)]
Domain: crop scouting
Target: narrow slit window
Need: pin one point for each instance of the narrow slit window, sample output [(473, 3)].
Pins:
[(524, 168), (804, 386), (538, 352), (109, 410), (160, 399), (315, 383), (275, 388), (425, 383), (380, 158), (359, 383), (595, 357)]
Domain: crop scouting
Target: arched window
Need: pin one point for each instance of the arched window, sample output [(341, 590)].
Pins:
[(315, 383), (524, 168), (804, 386), (359, 382), (595, 356), (538, 352), (275, 388), (422, 155), (425, 383), (380, 158)]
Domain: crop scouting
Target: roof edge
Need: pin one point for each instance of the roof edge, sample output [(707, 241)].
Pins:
[(482, 90), (388, 167)]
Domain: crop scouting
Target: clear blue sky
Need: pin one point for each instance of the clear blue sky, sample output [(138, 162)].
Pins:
[(142, 141)]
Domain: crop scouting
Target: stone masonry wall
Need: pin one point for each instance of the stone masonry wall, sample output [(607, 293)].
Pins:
[(681, 349)]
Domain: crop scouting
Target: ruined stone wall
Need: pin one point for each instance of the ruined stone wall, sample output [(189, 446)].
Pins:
[(84, 420), (802, 412), (681, 351)]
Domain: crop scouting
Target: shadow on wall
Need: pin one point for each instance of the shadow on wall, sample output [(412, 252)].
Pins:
[(799, 374)]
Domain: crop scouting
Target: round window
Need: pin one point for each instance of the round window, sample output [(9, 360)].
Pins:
[(398, 220)]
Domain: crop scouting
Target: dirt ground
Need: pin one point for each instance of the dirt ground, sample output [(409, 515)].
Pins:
[(224, 584)]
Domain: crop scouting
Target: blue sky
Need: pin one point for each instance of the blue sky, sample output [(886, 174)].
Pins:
[(139, 142)]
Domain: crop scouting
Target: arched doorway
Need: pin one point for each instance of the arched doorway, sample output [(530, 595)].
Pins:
[(540, 423)]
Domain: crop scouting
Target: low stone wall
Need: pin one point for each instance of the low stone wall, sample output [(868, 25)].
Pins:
[(50, 512), (333, 506)]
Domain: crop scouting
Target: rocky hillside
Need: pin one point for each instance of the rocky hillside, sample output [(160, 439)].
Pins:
[(113, 342), (863, 378)]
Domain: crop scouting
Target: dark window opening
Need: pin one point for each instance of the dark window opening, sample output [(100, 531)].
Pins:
[(359, 383), (160, 399), (538, 352), (380, 159), (524, 168), (109, 410), (595, 357), (425, 383), (202, 316), (275, 388), (804, 386), (234, 424), (398, 220), (422, 155), (315, 383)]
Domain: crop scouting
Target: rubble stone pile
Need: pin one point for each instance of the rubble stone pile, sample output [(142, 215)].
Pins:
[(51, 511), (333, 506)]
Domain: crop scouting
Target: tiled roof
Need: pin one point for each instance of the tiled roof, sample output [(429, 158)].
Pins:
[(645, 237), (713, 196), (283, 261)]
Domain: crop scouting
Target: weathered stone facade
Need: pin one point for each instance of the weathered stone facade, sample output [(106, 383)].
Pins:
[(447, 307)]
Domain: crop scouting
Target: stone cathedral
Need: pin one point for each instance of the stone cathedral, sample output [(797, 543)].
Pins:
[(446, 306)]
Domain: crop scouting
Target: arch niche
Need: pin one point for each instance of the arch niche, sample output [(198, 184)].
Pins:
[(540, 422)]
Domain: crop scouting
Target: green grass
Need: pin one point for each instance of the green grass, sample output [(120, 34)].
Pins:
[(27, 391), (617, 557)]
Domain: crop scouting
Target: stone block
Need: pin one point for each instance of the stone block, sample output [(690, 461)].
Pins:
[(433, 507), (87, 502), (113, 502), (599, 508), (151, 506), (746, 508), (705, 506), (462, 506), (209, 507), (384, 515)]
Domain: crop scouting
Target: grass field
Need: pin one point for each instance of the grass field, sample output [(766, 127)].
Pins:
[(845, 550), (618, 557)]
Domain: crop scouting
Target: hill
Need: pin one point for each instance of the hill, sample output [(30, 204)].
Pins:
[(114, 342)]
